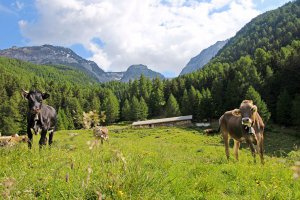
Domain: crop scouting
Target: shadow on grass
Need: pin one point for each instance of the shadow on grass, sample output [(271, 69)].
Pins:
[(281, 141)]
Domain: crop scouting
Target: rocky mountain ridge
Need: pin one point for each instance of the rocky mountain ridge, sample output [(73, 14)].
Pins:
[(56, 55), (203, 57)]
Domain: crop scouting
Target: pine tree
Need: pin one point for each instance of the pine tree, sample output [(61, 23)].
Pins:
[(234, 91), (172, 107), (253, 95), (112, 107), (69, 121), (62, 123), (269, 72), (143, 87), (10, 121), (135, 109), (283, 108), (218, 97), (262, 59), (296, 110), (206, 105), (185, 104), (95, 105), (157, 100), (143, 109), (126, 111), (194, 101), (76, 110), (197, 109)]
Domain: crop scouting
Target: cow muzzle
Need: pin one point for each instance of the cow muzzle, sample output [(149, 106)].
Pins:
[(246, 121), (35, 111)]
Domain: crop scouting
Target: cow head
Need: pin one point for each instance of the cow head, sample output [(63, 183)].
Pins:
[(247, 111), (35, 99)]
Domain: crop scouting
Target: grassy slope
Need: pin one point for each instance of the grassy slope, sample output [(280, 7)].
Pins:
[(160, 163)]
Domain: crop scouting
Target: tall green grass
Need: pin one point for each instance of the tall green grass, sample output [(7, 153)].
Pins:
[(159, 163)]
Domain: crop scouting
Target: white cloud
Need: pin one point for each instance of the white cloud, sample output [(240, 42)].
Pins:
[(19, 5), (163, 36)]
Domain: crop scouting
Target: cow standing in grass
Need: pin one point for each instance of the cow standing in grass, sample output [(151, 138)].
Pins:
[(101, 133), (243, 124), (39, 117)]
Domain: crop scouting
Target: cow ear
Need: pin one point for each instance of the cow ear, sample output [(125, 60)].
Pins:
[(254, 108), (45, 95), (24, 94), (236, 112)]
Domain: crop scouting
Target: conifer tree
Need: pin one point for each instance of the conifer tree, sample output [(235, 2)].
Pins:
[(157, 100), (143, 90), (218, 97), (296, 110), (112, 107), (96, 105), (9, 124), (197, 109), (185, 104), (172, 107), (206, 105), (62, 123), (126, 111), (253, 95), (143, 109), (69, 122), (194, 101), (135, 109), (76, 111), (283, 108)]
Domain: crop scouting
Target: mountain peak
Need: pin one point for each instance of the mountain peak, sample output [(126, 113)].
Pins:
[(137, 67), (203, 58), (135, 71)]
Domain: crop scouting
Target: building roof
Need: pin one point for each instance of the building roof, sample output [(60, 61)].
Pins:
[(164, 120)]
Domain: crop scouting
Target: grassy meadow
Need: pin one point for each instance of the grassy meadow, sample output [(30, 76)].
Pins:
[(158, 163)]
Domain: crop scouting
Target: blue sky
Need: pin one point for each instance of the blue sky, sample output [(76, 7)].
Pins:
[(162, 35)]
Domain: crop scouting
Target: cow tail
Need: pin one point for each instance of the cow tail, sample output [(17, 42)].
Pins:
[(219, 128)]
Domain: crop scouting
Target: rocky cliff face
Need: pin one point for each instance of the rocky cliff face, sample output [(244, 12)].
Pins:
[(203, 58)]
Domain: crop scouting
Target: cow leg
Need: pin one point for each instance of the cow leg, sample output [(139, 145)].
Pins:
[(236, 149), (43, 139), (50, 137), (252, 148), (30, 137), (260, 149), (226, 143)]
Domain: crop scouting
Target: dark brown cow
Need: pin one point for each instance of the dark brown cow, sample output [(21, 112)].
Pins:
[(243, 124)]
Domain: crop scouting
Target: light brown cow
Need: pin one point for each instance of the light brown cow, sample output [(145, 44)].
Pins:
[(101, 133), (243, 124), (8, 141)]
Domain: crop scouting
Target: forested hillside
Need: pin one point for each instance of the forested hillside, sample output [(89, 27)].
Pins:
[(261, 63), (70, 91), (262, 58)]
